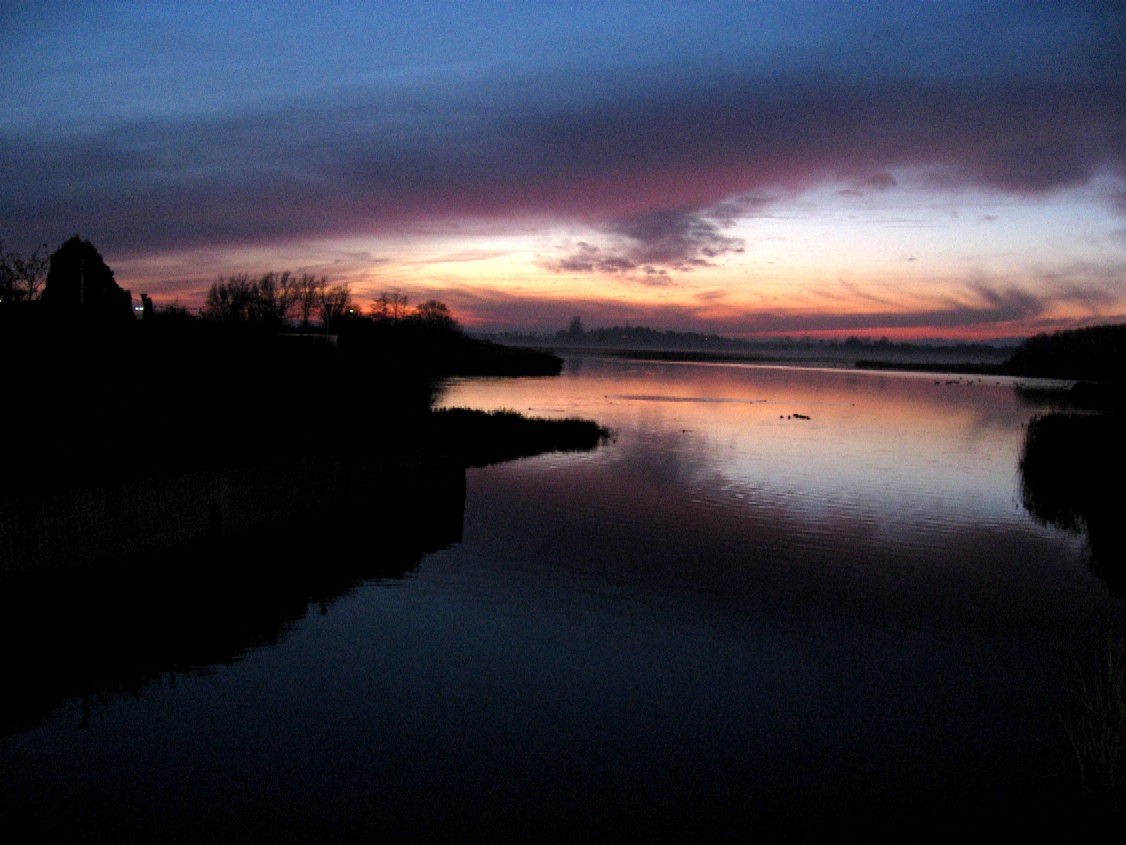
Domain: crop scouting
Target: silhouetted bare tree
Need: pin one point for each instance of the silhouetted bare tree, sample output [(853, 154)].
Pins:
[(336, 300), (275, 295), (437, 314), (269, 300), (389, 305), (22, 277), (230, 300), (309, 291)]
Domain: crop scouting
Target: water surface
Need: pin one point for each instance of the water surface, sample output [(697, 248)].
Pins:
[(729, 619)]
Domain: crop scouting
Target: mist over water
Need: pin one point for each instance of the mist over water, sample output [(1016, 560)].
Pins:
[(779, 601)]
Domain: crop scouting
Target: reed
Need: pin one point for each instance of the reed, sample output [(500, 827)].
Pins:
[(1098, 738)]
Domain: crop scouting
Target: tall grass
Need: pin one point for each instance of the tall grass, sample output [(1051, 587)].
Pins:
[(1098, 737)]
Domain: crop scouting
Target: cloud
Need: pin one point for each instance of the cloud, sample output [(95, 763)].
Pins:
[(972, 307), (728, 212), (678, 239), (710, 296), (865, 293), (465, 256), (880, 182), (977, 308), (1008, 304), (655, 245), (588, 258), (364, 162), (1091, 286)]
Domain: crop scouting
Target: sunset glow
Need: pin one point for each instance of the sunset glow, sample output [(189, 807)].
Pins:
[(897, 169)]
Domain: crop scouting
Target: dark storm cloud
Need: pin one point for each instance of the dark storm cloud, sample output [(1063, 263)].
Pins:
[(1017, 136), (362, 164)]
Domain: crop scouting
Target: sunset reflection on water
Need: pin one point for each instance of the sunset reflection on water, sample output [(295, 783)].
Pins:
[(901, 443), (724, 618)]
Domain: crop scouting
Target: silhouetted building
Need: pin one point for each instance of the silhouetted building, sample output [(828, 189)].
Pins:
[(79, 279)]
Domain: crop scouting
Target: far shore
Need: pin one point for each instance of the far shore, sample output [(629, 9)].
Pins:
[(1095, 354)]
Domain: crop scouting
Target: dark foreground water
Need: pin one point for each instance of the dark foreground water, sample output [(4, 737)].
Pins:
[(730, 621)]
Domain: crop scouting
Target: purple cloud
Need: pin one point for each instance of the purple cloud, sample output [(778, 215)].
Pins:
[(356, 166), (656, 243)]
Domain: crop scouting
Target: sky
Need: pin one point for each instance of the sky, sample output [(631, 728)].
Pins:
[(901, 169)]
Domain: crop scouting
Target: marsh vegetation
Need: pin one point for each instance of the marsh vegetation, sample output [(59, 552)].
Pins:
[(1072, 466), (126, 436)]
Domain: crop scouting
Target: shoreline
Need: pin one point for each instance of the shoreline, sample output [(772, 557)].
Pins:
[(60, 530)]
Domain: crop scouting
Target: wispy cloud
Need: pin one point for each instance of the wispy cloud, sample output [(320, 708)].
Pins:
[(974, 307)]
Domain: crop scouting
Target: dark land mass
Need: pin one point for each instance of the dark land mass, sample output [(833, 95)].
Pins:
[(1096, 355), (1093, 354), (160, 429), (141, 619), (1080, 396), (90, 402), (179, 491), (1072, 466), (439, 350)]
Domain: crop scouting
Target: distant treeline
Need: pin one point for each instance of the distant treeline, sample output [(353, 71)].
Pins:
[(1095, 354), (643, 337)]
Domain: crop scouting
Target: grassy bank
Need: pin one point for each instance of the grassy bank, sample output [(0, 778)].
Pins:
[(73, 526), (107, 586), (1071, 466), (1098, 736), (133, 438)]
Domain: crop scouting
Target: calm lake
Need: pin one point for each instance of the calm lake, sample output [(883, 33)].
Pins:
[(730, 620)]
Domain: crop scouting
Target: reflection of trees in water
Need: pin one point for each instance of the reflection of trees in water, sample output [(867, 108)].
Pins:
[(116, 630), (1073, 469), (308, 534)]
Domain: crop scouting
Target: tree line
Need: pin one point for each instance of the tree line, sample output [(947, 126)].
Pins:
[(273, 300)]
